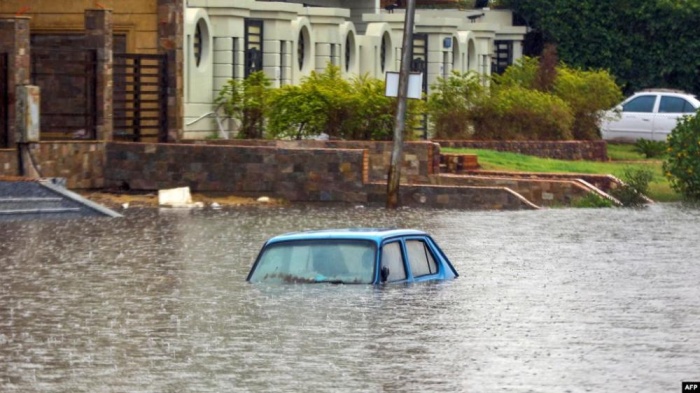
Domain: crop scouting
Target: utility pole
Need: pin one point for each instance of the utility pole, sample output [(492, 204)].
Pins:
[(392, 193)]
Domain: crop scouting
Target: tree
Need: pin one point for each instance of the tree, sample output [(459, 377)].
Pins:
[(644, 43)]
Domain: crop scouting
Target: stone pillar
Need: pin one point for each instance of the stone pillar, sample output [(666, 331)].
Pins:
[(14, 39), (99, 37), (171, 23)]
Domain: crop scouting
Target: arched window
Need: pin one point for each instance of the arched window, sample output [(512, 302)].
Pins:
[(348, 52), (382, 52), (197, 44), (301, 50)]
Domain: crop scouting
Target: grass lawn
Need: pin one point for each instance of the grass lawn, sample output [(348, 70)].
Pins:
[(621, 158)]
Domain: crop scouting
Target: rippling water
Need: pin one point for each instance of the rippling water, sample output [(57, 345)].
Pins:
[(548, 301)]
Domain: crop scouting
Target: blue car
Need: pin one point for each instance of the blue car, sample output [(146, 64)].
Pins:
[(352, 256)]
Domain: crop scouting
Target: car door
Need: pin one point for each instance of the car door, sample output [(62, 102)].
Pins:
[(636, 119), (671, 108), (421, 259), (393, 266)]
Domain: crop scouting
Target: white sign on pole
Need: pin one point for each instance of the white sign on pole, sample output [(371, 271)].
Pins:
[(415, 84)]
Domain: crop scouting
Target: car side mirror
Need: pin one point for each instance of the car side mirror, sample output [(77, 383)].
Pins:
[(619, 109), (384, 273)]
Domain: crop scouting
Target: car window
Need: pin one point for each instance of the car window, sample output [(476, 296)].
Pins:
[(675, 105), (643, 104), (392, 258), (420, 258), (348, 261)]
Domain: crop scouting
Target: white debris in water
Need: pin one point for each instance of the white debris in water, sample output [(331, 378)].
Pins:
[(178, 198), (264, 199)]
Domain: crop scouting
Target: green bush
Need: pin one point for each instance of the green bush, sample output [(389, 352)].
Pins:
[(632, 193), (649, 148), (321, 103), (325, 102), (247, 102), (587, 93), (516, 113), (592, 200), (682, 167), (522, 73), (450, 105)]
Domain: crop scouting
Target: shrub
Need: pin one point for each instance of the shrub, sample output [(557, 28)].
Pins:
[(246, 101), (587, 93), (522, 73), (451, 102), (592, 200), (682, 167), (325, 102), (321, 103), (649, 148), (636, 184), (517, 113)]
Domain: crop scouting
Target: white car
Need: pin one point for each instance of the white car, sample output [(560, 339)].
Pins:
[(649, 114)]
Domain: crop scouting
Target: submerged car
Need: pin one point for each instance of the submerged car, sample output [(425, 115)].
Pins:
[(352, 256), (649, 114)]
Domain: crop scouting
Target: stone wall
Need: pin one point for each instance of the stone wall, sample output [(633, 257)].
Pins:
[(542, 192), (421, 159), (293, 174), (82, 164), (602, 182), (296, 174), (563, 150), (452, 197)]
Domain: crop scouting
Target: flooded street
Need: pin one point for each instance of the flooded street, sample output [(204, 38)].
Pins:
[(597, 300)]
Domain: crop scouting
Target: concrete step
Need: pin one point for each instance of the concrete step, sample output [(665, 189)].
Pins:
[(22, 199)]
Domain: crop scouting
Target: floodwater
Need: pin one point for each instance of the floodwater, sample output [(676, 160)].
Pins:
[(561, 300)]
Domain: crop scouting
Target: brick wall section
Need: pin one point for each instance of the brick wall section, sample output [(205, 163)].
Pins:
[(421, 159), (171, 27), (542, 192), (563, 150), (8, 162), (82, 164), (293, 174), (602, 182), (452, 197), (99, 36), (14, 39)]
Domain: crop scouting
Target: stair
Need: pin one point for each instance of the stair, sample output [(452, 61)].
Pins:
[(28, 199)]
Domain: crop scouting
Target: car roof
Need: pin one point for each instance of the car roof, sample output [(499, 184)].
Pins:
[(375, 234)]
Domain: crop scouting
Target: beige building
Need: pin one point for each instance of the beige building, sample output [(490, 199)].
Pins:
[(223, 39)]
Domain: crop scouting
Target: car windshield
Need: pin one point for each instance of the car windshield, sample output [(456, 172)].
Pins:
[(315, 261)]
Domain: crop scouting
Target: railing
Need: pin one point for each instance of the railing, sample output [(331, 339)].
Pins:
[(140, 98)]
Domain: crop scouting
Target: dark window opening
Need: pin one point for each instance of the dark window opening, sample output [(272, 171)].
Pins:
[(503, 56), (253, 46), (301, 50), (197, 47)]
